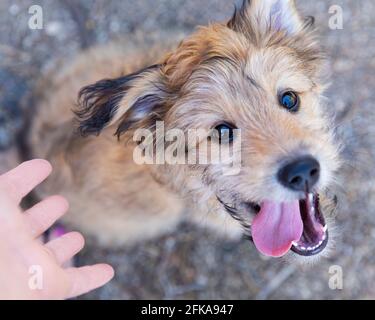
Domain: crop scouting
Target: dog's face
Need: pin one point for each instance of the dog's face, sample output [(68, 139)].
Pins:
[(262, 73)]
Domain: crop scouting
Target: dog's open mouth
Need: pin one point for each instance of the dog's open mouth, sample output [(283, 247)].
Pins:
[(298, 226)]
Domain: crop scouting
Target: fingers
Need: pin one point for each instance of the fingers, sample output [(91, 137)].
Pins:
[(18, 182), (65, 247), (10, 214), (44, 214), (88, 278)]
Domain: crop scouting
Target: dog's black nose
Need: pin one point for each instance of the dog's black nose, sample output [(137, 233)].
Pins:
[(300, 174)]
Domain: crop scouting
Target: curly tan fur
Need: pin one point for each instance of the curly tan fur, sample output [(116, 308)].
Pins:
[(229, 72)]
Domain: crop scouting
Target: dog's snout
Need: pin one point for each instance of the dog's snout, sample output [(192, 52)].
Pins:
[(300, 174)]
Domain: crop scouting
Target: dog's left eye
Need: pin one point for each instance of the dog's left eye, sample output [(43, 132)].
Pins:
[(224, 133), (289, 100)]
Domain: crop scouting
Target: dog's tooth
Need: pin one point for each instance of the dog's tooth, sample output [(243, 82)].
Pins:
[(325, 228), (294, 243), (310, 195), (303, 248)]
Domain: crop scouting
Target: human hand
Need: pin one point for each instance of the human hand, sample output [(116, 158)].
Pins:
[(28, 268)]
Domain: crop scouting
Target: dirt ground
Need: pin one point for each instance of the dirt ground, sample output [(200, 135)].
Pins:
[(192, 263)]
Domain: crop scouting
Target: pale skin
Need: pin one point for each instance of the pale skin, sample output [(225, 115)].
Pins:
[(21, 251)]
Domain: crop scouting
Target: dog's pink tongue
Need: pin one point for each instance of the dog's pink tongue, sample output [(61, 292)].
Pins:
[(276, 226)]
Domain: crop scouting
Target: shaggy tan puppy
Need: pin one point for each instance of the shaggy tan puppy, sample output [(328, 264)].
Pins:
[(262, 73)]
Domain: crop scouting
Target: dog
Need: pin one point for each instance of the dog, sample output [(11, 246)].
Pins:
[(262, 72)]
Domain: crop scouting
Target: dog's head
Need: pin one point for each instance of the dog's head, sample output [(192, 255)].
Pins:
[(262, 73)]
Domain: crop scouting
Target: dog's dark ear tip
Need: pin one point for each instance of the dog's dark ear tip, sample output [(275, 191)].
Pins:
[(86, 130), (98, 103), (86, 127), (118, 136), (309, 22), (81, 131)]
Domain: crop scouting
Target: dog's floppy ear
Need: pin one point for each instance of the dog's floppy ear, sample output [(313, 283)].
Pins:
[(135, 100), (265, 15)]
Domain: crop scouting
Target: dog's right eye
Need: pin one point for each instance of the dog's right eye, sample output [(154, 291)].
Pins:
[(289, 100), (224, 133)]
